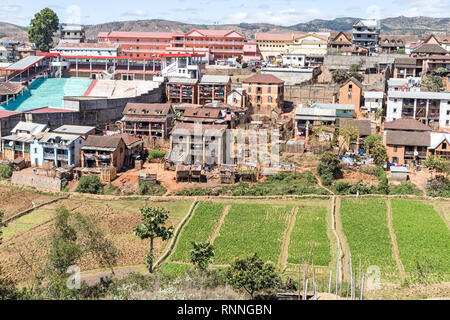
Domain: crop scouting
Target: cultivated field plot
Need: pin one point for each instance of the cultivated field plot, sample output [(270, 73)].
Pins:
[(266, 226), (200, 228), (15, 200), (364, 223), (250, 228), (310, 225), (421, 235), (116, 217)]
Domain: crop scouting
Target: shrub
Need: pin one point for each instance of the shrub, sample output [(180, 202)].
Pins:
[(156, 154), (406, 188), (439, 187), (342, 187), (327, 178), (6, 172), (112, 190), (90, 184), (154, 189)]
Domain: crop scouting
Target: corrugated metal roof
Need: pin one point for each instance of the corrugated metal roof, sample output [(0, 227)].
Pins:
[(25, 63), (214, 79), (374, 94), (74, 129), (419, 95)]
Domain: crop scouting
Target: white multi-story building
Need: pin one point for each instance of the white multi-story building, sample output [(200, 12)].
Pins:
[(87, 49), (373, 100), (431, 108), (293, 60), (60, 148)]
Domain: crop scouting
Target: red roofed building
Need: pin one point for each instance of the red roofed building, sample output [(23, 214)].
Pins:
[(214, 44)]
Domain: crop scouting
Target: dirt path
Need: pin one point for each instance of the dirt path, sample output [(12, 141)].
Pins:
[(216, 232), (441, 211), (282, 260), (341, 238), (395, 253), (320, 183)]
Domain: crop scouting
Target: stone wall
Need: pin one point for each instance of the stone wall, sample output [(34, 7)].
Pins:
[(308, 94), (36, 181)]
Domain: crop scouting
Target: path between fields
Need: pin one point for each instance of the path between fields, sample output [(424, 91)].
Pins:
[(320, 183), (342, 240), (216, 232), (282, 260), (395, 253)]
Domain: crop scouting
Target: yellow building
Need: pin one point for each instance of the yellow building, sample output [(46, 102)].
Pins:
[(274, 45)]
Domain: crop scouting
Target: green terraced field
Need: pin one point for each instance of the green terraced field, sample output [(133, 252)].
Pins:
[(421, 234), (364, 223), (250, 228), (199, 227), (310, 225)]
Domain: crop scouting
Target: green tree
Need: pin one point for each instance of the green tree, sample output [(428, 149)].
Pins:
[(202, 254), (152, 227), (90, 184), (42, 27), (348, 134), (64, 250), (93, 241), (340, 75), (370, 141), (437, 163), (379, 153), (329, 167), (434, 82), (252, 275), (6, 171)]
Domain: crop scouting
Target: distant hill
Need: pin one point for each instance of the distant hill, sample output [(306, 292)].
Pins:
[(396, 25), (11, 30), (248, 29)]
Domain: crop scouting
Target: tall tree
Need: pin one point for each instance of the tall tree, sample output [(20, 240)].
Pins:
[(152, 227), (44, 24), (202, 254), (252, 275)]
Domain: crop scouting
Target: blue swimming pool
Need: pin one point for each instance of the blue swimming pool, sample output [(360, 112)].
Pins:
[(47, 93)]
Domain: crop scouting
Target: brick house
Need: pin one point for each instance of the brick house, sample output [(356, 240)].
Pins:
[(103, 151), (147, 119), (406, 141), (265, 95), (350, 92)]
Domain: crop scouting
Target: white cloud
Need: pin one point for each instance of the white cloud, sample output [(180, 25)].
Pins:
[(134, 13), (428, 8), (373, 12), (285, 17), (10, 9)]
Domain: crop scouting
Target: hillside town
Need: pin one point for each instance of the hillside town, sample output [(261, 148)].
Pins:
[(145, 88), (214, 113)]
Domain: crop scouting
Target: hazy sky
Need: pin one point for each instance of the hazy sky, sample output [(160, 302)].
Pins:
[(282, 12)]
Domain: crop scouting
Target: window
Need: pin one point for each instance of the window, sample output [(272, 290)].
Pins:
[(395, 149), (395, 110), (444, 146), (270, 99), (35, 150), (350, 88), (349, 95), (268, 90)]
